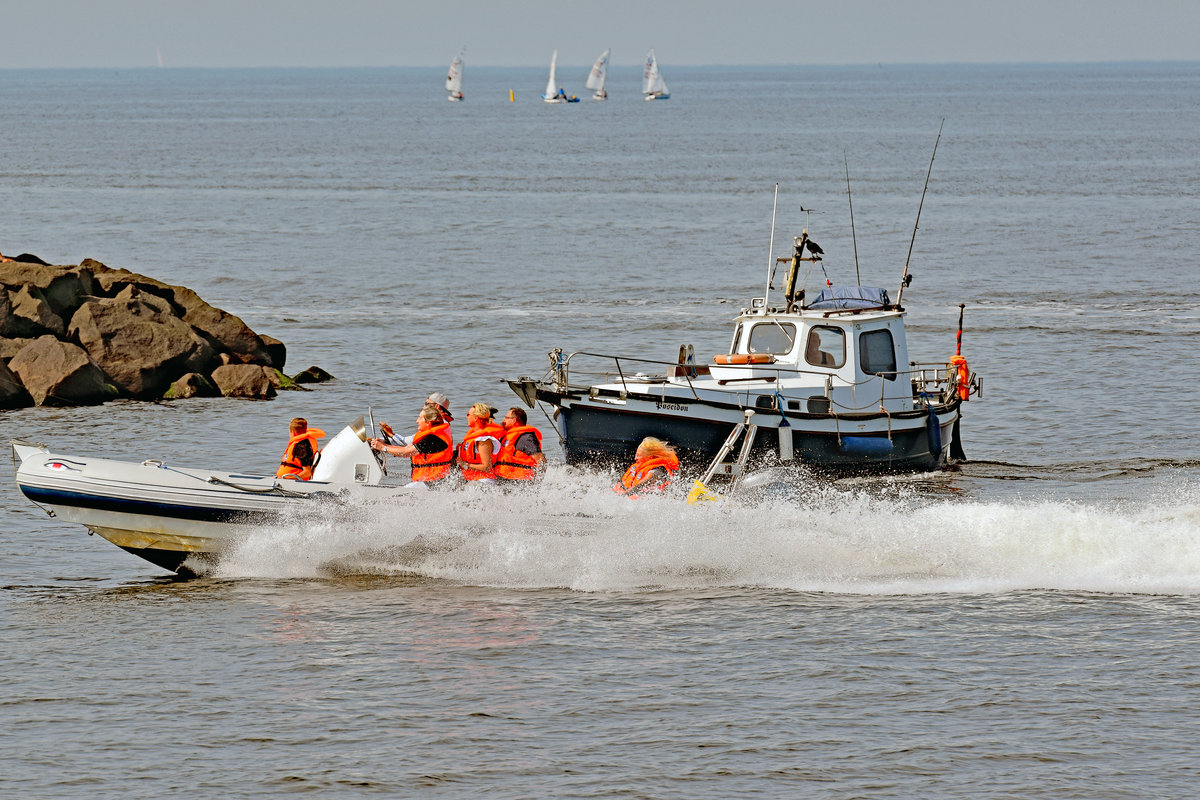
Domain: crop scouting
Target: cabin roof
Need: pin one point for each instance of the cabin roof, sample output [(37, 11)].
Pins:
[(846, 297), (818, 316)]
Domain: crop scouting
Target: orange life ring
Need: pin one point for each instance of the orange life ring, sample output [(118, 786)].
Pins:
[(744, 358)]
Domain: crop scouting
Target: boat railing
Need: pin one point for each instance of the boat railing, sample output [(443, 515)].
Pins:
[(622, 370), (934, 381)]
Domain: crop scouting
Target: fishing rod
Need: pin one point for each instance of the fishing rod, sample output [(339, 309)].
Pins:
[(906, 279), (771, 250), (853, 237)]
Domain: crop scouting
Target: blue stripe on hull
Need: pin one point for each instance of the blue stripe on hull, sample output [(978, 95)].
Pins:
[(58, 497)]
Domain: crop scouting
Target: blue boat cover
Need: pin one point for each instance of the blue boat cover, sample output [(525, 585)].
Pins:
[(850, 297)]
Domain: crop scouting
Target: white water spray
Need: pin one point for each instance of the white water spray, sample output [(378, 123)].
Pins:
[(573, 532)]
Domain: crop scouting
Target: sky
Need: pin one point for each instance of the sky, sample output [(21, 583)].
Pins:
[(382, 33)]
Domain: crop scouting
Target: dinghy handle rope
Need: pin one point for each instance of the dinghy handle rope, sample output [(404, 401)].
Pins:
[(276, 489)]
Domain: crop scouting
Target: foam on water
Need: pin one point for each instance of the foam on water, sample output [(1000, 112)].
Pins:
[(573, 532)]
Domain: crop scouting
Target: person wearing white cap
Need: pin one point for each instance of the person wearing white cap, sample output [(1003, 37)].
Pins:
[(437, 401), (443, 404)]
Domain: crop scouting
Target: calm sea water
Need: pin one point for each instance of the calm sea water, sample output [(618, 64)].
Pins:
[(1023, 627)]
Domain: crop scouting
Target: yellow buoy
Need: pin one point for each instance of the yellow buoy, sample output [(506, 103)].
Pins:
[(511, 99)]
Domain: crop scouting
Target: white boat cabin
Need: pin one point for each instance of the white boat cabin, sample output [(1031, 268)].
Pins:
[(854, 357)]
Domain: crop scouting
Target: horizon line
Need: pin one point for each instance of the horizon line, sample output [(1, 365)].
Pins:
[(865, 64)]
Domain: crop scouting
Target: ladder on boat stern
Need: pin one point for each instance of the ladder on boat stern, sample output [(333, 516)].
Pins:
[(734, 469)]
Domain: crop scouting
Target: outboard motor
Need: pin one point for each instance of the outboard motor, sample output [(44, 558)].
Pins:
[(348, 458)]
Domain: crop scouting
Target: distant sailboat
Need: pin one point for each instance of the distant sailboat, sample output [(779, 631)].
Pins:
[(653, 85), (455, 76), (552, 94), (158, 56), (598, 75)]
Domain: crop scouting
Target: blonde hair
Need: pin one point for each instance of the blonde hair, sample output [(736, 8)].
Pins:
[(481, 411), (655, 448), (429, 413)]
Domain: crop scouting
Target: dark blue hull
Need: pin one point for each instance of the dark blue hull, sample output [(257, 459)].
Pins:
[(604, 436)]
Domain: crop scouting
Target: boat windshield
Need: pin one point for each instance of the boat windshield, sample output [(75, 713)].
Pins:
[(772, 337)]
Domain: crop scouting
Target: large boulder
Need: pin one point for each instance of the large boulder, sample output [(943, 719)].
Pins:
[(137, 339), (223, 329), (243, 380), (60, 373), (29, 315), (62, 287), (12, 393)]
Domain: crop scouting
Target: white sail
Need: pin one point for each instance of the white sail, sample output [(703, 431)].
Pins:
[(455, 77), (552, 83), (653, 84), (599, 73)]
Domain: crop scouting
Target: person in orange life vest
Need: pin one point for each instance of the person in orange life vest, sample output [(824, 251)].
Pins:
[(479, 448), (521, 457), (301, 454), (438, 401), (431, 448), (654, 467)]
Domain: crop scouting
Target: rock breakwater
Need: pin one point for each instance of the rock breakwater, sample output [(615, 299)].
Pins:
[(87, 333)]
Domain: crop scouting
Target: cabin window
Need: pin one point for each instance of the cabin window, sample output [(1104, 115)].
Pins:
[(826, 346), (772, 337), (737, 339), (877, 354)]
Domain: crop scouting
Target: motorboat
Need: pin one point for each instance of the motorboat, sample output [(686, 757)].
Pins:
[(828, 382), (181, 518)]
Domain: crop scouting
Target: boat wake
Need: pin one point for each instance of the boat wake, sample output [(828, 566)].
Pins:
[(573, 532)]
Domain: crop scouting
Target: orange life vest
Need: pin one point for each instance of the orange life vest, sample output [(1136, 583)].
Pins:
[(513, 464), (468, 451), (639, 469), (433, 466), (290, 465)]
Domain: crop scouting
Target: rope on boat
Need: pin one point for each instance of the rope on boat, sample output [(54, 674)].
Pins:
[(275, 489)]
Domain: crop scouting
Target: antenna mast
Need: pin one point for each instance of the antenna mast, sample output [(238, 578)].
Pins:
[(771, 251), (853, 237), (905, 279)]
